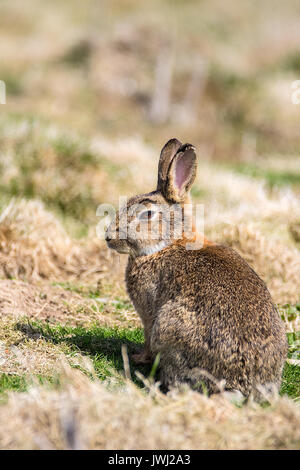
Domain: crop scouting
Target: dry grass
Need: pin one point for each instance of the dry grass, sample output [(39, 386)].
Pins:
[(35, 246), (85, 414), (22, 355), (66, 303)]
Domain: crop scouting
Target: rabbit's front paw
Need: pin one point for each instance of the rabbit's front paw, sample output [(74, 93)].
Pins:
[(143, 357)]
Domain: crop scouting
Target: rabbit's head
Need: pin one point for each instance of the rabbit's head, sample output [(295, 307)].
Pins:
[(151, 222)]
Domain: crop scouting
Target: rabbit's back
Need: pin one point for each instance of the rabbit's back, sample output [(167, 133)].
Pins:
[(208, 309), (215, 280)]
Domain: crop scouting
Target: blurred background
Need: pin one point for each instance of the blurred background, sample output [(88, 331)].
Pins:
[(218, 74)]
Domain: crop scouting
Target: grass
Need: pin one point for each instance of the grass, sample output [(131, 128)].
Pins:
[(102, 346), (21, 383), (291, 381), (12, 382), (271, 177), (28, 174), (80, 289)]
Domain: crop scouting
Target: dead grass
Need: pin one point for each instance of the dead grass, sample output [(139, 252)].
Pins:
[(19, 299), (34, 245), (66, 304), (85, 414), (23, 355)]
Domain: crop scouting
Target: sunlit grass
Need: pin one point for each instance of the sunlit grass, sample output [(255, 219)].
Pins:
[(102, 346)]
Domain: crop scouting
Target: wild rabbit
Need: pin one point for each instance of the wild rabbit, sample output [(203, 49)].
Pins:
[(205, 310)]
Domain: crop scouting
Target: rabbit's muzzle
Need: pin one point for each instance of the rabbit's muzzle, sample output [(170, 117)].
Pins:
[(116, 240)]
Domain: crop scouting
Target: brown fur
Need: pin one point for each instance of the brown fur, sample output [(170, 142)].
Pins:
[(205, 311)]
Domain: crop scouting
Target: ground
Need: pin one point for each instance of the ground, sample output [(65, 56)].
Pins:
[(80, 128)]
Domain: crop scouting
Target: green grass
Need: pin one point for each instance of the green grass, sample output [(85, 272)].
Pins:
[(102, 345), (20, 383), (272, 177), (291, 381), (12, 382), (65, 158), (79, 289)]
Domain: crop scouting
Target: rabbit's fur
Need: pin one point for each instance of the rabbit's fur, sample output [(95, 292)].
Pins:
[(205, 311)]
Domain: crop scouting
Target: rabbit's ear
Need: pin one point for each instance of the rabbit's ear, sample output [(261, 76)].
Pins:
[(166, 155), (181, 174)]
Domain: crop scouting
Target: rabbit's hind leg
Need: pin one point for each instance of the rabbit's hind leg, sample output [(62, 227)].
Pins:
[(174, 342), (176, 372)]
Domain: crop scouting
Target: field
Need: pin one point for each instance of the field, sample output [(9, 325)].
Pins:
[(93, 91)]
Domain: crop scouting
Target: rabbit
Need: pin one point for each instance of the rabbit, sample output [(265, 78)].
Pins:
[(205, 311)]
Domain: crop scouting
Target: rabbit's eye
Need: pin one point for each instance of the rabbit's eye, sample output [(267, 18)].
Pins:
[(146, 215)]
